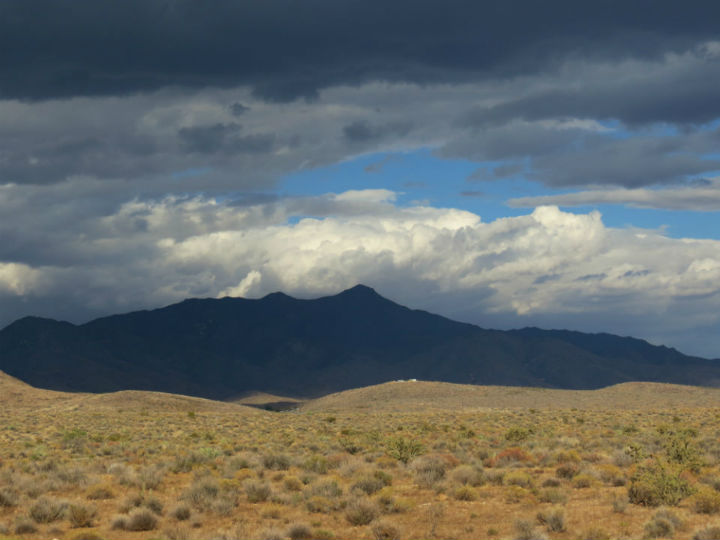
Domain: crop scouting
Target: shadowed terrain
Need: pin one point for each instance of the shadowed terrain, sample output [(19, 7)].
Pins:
[(221, 348)]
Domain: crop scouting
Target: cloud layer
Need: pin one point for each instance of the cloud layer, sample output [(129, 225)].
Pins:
[(227, 140), (175, 98), (545, 267), (701, 196), (284, 50)]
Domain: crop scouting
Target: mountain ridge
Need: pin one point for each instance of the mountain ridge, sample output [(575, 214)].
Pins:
[(220, 348)]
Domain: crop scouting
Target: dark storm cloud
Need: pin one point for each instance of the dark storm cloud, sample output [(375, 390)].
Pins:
[(675, 91), (570, 156), (224, 138), (286, 49), (362, 132), (630, 163), (206, 139), (238, 109)]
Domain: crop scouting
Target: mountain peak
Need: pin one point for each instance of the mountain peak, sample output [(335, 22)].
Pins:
[(277, 295), (360, 290)]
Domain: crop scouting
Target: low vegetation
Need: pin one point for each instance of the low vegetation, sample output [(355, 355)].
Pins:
[(137, 470)]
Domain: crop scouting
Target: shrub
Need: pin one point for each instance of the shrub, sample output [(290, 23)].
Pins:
[(389, 505), (276, 462), (510, 456), (181, 512), (8, 497), (237, 463), (202, 493), (429, 470), (553, 519), (518, 478), (186, 463), (71, 476), (552, 495), (319, 504), (292, 483), (100, 493), (361, 512), (74, 439), (176, 533), (551, 482), (495, 477), (257, 491), (384, 530), (272, 511), (25, 526), (658, 484), (317, 464), (124, 474), (225, 505), (153, 504), (141, 519), (611, 474), (712, 481), (516, 434), (384, 477), (81, 515), (299, 531), (584, 480), (272, 534), (635, 451), (368, 485), (119, 522), (403, 449), (517, 494), (711, 532), (526, 531), (567, 470), (706, 501), (681, 450), (467, 475), (663, 524), (149, 477), (119, 470), (324, 488), (47, 510), (622, 459), (131, 501), (465, 493), (566, 456)]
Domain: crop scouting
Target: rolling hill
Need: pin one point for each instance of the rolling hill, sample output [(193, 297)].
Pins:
[(223, 348), (404, 396)]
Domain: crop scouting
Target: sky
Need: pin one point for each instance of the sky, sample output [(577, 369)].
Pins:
[(508, 163)]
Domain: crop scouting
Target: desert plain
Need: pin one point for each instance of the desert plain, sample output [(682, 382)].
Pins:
[(401, 460)]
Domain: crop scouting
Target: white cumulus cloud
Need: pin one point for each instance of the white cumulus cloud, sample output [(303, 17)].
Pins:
[(549, 267)]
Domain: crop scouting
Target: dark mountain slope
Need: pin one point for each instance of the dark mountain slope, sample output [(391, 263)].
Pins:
[(221, 348)]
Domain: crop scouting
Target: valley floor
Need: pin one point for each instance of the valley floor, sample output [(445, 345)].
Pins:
[(139, 466)]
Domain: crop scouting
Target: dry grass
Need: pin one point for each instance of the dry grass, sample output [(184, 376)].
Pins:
[(425, 460)]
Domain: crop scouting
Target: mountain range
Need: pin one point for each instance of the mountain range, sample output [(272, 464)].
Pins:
[(222, 348)]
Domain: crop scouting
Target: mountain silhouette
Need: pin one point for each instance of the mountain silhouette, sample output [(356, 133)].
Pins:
[(221, 348)]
